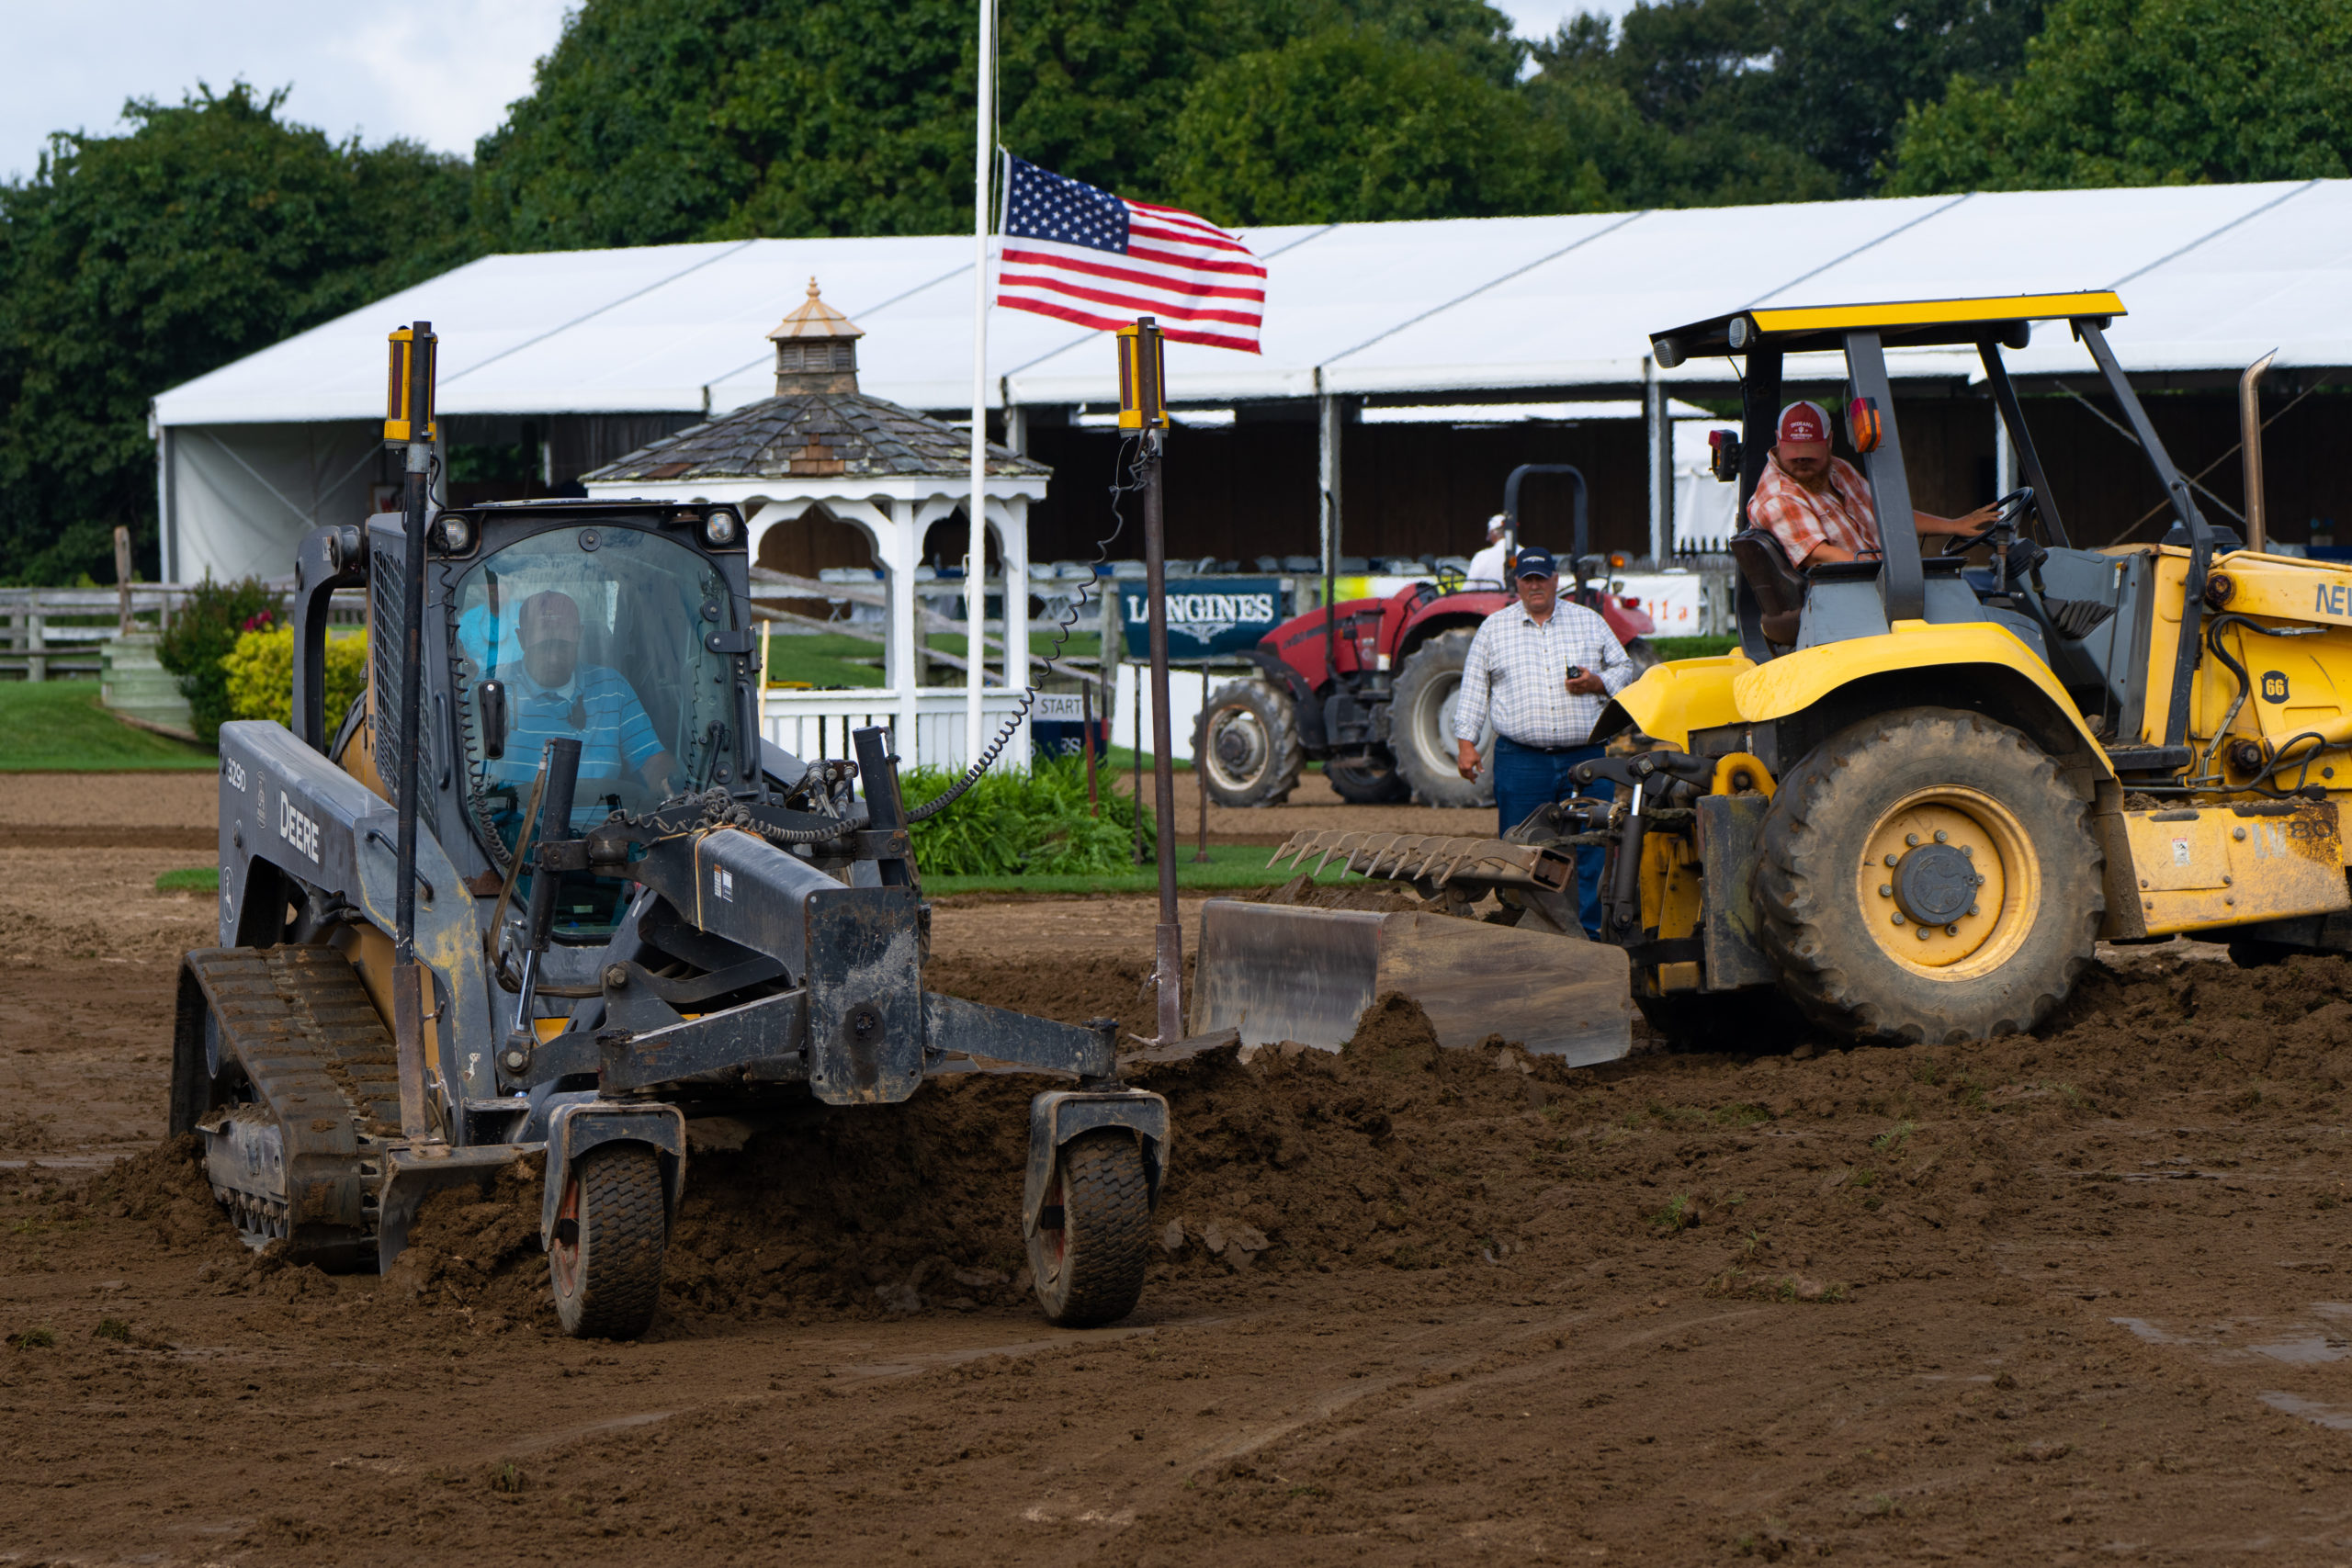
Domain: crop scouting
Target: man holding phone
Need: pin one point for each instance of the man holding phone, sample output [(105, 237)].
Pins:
[(1543, 669)]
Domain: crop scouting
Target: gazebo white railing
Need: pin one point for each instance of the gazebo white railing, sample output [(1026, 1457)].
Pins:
[(817, 723)]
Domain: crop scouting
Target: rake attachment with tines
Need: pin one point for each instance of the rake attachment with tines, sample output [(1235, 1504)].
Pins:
[(1432, 860)]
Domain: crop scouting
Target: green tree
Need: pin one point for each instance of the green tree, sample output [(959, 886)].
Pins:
[(1349, 125), (2148, 92), (655, 121), (1767, 100), (129, 264)]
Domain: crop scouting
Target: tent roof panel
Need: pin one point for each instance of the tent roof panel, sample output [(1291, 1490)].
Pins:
[(2211, 275)]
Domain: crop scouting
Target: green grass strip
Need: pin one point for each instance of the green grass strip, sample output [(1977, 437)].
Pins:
[(1231, 867), (1672, 648), (58, 727)]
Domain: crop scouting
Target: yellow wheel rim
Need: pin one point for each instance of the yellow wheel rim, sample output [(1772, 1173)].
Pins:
[(1948, 884)]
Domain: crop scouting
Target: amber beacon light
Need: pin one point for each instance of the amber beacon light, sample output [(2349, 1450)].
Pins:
[(408, 393), (1143, 380)]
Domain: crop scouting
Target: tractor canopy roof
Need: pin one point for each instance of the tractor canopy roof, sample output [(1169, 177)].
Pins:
[(1901, 323)]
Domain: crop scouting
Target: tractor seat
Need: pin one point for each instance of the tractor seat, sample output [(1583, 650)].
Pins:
[(1778, 586)]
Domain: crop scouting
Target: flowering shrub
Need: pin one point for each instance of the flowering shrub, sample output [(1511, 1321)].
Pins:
[(260, 672)]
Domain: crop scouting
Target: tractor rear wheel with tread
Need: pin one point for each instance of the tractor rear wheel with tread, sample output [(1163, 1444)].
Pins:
[(1421, 725), (1246, 746), (1927, 876), (1089, 1266), (1366, 781), (611, 1233)]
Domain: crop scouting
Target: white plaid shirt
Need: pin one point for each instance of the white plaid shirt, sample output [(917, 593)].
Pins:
[(1518, 670)]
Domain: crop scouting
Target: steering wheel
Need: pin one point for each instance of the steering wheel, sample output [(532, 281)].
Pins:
[(2008, 513)]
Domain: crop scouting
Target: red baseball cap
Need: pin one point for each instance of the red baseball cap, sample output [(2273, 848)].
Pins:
[(1802, 421)]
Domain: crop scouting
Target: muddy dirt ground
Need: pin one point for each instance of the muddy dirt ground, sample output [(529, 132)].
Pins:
[(2080, 1296)]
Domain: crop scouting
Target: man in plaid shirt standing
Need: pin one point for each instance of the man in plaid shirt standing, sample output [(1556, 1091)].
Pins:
[(1543, 669), (1818, 506)]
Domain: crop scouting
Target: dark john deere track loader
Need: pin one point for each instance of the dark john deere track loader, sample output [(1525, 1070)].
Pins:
[(628, 908), (1925, 785)]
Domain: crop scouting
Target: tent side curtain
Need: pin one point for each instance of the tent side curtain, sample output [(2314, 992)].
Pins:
[(241, 496)]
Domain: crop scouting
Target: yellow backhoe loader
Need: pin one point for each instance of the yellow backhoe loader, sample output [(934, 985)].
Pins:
[(1924, 787)]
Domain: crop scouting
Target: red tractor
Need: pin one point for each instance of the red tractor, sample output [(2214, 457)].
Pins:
[(1368, 688)]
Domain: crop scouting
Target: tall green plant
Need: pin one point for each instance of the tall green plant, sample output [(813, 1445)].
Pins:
[(1036, 823), (203, 633)]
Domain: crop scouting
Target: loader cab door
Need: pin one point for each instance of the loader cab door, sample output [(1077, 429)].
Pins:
[(598, 633)]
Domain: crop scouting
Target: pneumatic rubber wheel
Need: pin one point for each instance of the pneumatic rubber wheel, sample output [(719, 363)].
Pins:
[(1366, 781), (1090, 1263), (1421, 725), (1927, 876), (611, 1230), (1644, 656), (1246, 746)]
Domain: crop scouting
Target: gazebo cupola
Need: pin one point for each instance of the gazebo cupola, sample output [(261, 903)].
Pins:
[(820, 453), (816, 349)]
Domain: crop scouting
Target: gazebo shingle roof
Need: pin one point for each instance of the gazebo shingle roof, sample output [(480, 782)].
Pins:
[(812, 435)]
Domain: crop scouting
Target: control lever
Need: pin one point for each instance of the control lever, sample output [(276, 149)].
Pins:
[(561, 767), (489, 703)]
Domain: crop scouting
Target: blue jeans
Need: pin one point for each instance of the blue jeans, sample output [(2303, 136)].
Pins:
[(1526, 778)]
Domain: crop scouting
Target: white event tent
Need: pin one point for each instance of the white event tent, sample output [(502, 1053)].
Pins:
[(1444, 311)]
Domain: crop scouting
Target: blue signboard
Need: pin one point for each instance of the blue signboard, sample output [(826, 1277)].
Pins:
[(1208, 617)]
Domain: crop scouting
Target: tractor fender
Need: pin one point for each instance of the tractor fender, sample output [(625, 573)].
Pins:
[(1976, 665), (574, 1128), (1058, 1115), (1671, 700), (1439, 617), (1973, 665)]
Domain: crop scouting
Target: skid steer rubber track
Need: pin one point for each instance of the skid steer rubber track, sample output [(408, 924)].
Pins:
[(285, 1069)]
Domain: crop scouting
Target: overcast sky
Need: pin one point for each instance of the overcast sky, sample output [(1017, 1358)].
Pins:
[(441, 72)]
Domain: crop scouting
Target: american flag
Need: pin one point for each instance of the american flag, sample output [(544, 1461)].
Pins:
[(1085, 255)]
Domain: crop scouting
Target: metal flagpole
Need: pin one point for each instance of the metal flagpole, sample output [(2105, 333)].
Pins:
[(1142, 408), (976, 561)]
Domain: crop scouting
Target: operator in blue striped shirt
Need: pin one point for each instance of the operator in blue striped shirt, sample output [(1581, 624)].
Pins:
[(553, 694)]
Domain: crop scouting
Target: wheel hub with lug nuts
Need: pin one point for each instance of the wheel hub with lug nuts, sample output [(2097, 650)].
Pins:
[(1238, 748), (1935, 884), (1948, 885)]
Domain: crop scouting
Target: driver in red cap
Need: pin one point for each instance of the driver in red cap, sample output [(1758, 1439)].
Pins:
[(1818, 506)]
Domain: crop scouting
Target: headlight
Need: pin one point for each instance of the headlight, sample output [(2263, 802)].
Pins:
[(722, 530), (454, 533)]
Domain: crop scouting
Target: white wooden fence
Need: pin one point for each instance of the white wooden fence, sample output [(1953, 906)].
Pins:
[(48, 634)]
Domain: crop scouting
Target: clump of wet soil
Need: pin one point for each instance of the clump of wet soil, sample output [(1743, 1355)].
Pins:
[(165, 1189), (475, 1251)]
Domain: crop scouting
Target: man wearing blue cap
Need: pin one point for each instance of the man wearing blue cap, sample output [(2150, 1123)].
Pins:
[(1543, 669)]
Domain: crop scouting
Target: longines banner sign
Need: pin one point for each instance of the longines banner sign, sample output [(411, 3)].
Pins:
[(1206, 616)]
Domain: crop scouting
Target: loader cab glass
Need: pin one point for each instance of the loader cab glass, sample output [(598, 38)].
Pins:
[(594, 634)]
